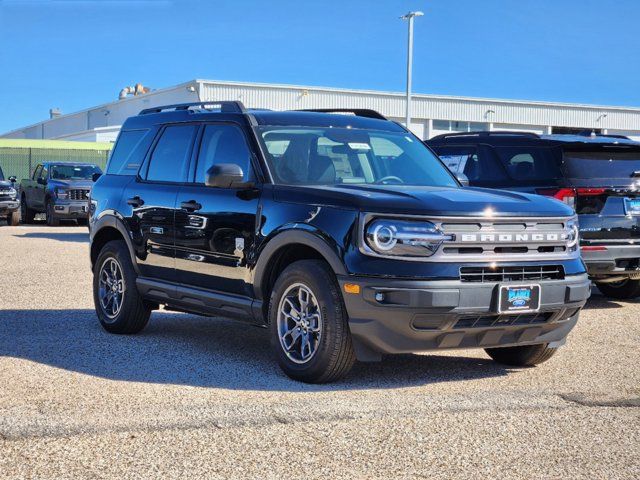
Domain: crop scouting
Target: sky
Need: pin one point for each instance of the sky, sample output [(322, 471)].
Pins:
[(75, 54)]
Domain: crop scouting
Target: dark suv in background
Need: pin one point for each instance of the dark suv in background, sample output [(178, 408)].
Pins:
[(343, 233), (598, 176), (9, 203)]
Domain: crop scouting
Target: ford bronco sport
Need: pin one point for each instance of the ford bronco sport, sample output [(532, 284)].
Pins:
[(341, 232), (598, 176)]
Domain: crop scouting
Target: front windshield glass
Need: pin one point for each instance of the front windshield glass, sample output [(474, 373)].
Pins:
[(73, 172), (331, 156)]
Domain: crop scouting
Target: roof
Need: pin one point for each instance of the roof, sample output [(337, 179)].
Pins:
[(528, 139), (53, 144)]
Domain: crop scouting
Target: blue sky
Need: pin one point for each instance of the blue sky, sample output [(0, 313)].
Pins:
[(74, 54)]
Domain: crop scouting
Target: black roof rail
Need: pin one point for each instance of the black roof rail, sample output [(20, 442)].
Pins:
[(493, 133), (230, 106), (359, 112)]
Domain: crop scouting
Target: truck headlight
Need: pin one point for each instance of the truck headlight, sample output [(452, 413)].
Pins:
[(403, 238), (573, 235), (62, 193), (12, 192)]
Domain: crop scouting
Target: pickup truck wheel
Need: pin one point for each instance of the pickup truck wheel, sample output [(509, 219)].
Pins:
[(623, 290), (13, 219), (27, 214), (119, 306), (308, 323), (523, 356), (52, 220)]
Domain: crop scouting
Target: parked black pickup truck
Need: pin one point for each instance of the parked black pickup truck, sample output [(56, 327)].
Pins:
[(343, 234), (61, 190), (9, 205)]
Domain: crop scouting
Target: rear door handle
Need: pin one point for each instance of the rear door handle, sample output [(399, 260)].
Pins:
[(190, 206), (135, 201)]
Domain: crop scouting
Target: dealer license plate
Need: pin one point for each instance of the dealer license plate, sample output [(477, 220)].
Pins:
[(632, 206), (519, 299)]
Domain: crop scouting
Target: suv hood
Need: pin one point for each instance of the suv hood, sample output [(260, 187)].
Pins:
[(5, 184), (429, 201), (71, 183)]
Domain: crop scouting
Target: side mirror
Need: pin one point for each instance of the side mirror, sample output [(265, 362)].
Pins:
[(226, 175), (13, 179), (96, 176), (463, 179), (41, 181)]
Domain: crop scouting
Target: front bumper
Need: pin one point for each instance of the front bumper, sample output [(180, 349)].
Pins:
[(71, 209), (9, 206), (428, 315), (615, 260)]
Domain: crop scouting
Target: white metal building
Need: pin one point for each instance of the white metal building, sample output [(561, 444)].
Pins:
[(432, 114)]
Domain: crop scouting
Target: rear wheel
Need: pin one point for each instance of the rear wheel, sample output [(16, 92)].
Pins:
[(523, 356), (52, 220), (119, 306), (13, 219), (27, 214), (308, 321), (623, 290)]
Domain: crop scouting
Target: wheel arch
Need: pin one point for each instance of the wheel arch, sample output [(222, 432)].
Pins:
[(106, 229)]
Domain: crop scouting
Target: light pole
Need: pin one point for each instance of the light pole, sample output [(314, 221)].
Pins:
[(410, 16)]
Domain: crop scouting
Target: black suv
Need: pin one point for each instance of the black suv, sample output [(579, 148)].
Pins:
[(340, 231), (598, 176), (9, 203)]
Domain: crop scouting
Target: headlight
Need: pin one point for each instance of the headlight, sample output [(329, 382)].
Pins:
[(573, 236), (62, 193), (402, 238), (12, 192)]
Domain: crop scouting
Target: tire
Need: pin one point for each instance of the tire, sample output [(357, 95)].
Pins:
[(523, 356), (52, 220), (624, 290), (133, 313), (327, 355), (26, 214), (13, 220)]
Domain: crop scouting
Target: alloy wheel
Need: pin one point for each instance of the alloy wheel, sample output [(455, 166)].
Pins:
[(299, 323), (111, 287)]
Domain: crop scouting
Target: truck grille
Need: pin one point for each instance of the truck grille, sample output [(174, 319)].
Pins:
[(79, 194), (511, 274), (485, 321)]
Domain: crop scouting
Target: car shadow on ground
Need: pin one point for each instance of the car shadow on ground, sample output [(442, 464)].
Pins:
[(76, 237), (597, 301), (204, 352)]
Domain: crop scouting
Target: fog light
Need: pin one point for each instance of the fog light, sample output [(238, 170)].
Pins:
[(379, 297)]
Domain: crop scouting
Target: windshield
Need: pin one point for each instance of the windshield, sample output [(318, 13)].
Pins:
[(603, 164), (73, 172), (330, 156)]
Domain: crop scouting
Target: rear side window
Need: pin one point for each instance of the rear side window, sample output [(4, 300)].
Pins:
[(480, 167), (170, 157), (222, 144), (129, 151), (455, 158), (531, 164)]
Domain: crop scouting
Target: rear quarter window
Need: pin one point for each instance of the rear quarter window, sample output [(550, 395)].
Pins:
[(129, 151), (531, 164)]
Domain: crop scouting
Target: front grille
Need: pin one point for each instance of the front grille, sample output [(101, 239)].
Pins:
[(486, 321), (511, 274), (79, 194)]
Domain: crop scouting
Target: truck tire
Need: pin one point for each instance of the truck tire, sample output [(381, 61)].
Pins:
[(13, 219), (309, 325), (27, 214), (119, 306), (523, 356), (624, 290), (52, 220)]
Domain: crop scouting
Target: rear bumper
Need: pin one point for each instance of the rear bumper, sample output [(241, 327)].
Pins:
[(71, 209), (613, 261), (9, 206), (428, 315)]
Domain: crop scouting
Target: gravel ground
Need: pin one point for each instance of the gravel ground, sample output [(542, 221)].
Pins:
[(196, 397)]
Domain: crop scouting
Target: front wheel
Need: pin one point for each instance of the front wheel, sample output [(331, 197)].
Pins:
[(522, 356), (624, 290), (309, 326), (13, 219), (119, 306), (52, 220)]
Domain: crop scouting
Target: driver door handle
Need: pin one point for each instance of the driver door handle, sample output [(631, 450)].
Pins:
[(135, 201), (190, 206)]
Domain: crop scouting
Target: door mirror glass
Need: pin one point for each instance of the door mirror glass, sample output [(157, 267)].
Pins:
[(226, 175), (462, 178), (96, 176)]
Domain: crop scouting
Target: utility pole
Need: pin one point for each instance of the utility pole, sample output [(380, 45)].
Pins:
[(410, 16)]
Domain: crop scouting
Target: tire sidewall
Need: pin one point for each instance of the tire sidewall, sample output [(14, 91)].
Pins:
[(324, 287)]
